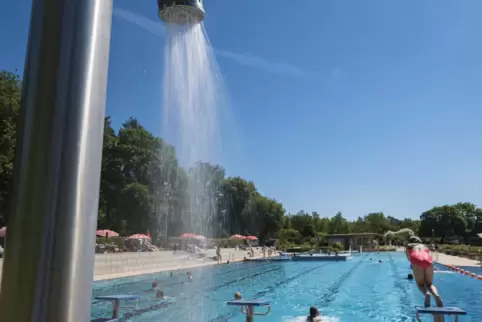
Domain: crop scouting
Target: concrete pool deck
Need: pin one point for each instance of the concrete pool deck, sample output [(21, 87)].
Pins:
[(111, 266), (171, 262), (455, 260)]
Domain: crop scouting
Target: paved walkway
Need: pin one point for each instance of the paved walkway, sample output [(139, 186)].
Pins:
[(167, 261), (173, 263), (455, 260)]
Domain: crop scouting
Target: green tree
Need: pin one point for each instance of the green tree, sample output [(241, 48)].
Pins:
[(339, 225), (235, 195), (9, 116), (265, 216), (143, 188), (304, 223)]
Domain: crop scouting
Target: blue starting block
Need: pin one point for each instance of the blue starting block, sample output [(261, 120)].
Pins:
[(440, 311), (247, 307), (116, 300)]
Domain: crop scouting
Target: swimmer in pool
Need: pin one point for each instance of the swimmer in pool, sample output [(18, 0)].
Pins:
[(189, 277), (419, 256), (237, 296), (244, 309), (314, 316), (160, 294), (410, 277)]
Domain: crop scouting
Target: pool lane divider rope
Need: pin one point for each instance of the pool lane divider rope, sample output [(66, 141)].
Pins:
[(127, 315), (216, 287), (227, 316), (198, 291), (212, 288), (174, 283), (332, 291), (211, 276), (462, 271), (152, 275), (404, 300)]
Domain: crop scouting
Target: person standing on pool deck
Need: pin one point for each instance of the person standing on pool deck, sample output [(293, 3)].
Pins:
[(218, 254), (422, 266)]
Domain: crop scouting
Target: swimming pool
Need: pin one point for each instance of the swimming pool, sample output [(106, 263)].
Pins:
[(359, 289)]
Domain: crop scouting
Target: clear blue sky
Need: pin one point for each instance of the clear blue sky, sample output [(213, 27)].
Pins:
[(356, 106)]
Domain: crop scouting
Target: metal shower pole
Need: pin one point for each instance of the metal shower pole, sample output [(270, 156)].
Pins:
[(49, 255)]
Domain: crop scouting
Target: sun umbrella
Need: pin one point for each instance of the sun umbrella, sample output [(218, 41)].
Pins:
[(138, 236), (106, 233), (236, 236), (3, 231), (251, 237), (186, 235)]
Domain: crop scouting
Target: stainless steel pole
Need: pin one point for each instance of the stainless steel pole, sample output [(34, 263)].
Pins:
[(49, 256)]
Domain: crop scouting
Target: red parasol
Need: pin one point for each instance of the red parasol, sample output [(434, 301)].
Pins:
[(3, 231), (236, 236), (187, 235), (139, 236), (251, 237), (106, 233)]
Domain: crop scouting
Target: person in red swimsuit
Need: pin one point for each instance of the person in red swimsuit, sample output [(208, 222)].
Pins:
[(422, 266)]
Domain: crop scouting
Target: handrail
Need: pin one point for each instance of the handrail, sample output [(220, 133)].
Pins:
[(247, 307), (266, 313)]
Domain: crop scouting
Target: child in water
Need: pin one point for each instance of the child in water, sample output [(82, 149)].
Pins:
[(314, 316), (237, 296), (160, 294)]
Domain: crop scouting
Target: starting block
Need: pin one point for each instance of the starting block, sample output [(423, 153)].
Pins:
[(247, 307), (440, 311)]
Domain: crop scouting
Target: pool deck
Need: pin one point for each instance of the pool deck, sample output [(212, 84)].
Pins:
[(173, 263), (455, 260), (166, 261)]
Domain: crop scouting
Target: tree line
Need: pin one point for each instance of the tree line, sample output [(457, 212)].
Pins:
[(143, 188)]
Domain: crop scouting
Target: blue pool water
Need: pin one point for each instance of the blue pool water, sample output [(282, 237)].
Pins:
[(359, 289)]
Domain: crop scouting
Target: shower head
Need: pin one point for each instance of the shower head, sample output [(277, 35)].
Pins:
[(181, 12)]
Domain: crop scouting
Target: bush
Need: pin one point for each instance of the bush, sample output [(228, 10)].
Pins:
[(456, 249), (117, 241), (227, 242), (338, 247), (327, 249), (387, 248)]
